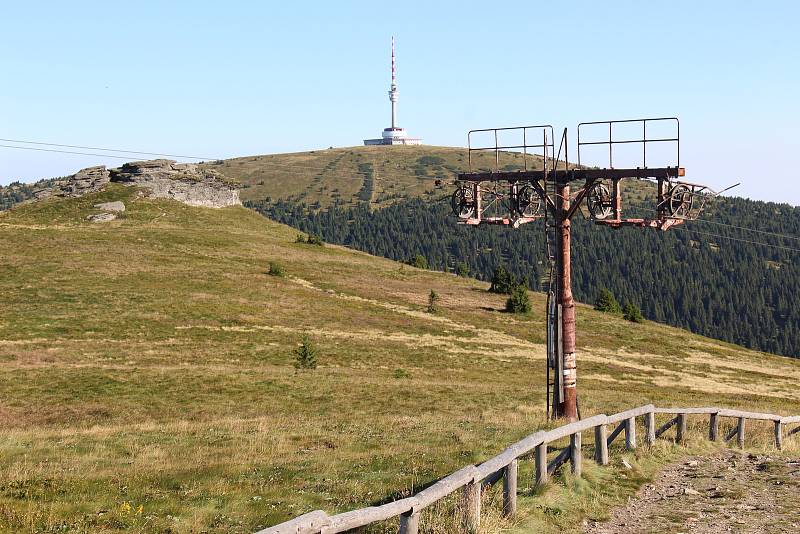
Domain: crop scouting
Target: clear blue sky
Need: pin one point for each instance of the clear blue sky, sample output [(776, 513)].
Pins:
[(238, 78)]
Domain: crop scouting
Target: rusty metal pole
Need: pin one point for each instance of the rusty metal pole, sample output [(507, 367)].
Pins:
[(569, 407)]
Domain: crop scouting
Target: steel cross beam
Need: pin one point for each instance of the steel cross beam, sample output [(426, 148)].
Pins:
[(579, 198), (562, 176)]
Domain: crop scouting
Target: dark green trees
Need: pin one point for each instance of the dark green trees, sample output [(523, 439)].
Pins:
[(433, 302), (419, 261), (632, 313), (519, 302), (503, 282), (306, 354), (606, 302)]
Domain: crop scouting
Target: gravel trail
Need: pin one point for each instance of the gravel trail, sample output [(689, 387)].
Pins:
[(728, 492)]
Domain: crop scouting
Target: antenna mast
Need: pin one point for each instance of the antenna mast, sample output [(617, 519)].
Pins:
[(394, 135), (393, 89)]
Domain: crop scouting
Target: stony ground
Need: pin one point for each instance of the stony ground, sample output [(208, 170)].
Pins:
[(729, 492)]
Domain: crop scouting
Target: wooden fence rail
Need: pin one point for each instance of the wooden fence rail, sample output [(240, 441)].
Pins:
[(471, 479)]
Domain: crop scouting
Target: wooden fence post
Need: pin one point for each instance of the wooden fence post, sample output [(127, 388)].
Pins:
[(740, 433), (600, 444), (510, 489), (650, 424), (681, 435), (409, 523), (713, 427), (778, 435), (575, 454), (540, 458), (472, 507), (630, 433)]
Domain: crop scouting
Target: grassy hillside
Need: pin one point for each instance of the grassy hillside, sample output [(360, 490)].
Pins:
[(147, 378), (384, 200)]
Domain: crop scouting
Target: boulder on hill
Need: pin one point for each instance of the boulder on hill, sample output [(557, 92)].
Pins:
[(101, 217), (117, 206)]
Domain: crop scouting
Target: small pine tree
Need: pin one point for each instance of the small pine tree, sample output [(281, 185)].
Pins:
[(276, 269), (632, 313), (503, 282), (462, 269), (306, 354), (606, 302), (433, 302), (519, 302), (314, 239), (419, 261), (300, 238)]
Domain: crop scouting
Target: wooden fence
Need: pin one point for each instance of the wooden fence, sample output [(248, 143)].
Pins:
[(471, 479)]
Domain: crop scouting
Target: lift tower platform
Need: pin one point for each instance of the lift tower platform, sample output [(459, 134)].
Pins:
[(548, 187)]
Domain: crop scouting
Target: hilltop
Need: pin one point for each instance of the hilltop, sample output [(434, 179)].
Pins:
[(148, 382), (379, 175)]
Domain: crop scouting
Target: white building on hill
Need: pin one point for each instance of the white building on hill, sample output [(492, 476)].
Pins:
[(394, 135)]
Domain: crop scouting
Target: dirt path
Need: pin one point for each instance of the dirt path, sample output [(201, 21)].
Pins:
[(729, 492)]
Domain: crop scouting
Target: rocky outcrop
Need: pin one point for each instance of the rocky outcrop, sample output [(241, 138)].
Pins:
[(186, 182), (161, 178), (81, 183)]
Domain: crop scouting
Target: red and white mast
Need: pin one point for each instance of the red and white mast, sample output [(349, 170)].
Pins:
[(393, 90)]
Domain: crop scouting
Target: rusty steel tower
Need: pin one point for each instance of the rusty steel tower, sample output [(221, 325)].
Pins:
[(541, 184)]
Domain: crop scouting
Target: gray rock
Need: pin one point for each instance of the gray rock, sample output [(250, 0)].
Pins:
[(101, 217), (117, 206), (186, 182), (41, 194), (81, 183), (159, 178)]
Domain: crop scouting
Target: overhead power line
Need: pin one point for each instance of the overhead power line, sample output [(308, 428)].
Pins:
[(63, 151), (263, 160), (764, 232), (382, 172), (743, 228), (124, 151), (717, 236), (289, 168)]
